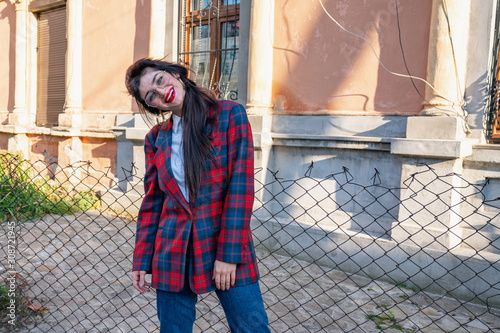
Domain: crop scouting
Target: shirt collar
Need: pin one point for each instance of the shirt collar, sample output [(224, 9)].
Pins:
[(177, 122)]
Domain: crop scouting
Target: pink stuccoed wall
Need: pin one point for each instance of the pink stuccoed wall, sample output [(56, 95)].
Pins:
[(319, 68), (115, 33)]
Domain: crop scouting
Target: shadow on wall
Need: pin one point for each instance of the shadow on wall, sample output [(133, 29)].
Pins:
[(391, 127), (350, 191), (477, 97), (102, 154), (46, 148), (481, 78), (9, 13), (142, 33), (319, 68)]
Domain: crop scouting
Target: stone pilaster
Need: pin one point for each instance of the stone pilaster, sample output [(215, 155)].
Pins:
[(158, 29), (259, 89), (447, 57), (70, 153), (72, 116), (19, 143), (259, 95), (129, 134), (19, 116), (172, 33), (429, 215)]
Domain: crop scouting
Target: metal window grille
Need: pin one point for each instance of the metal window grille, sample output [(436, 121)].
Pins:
[(493, 110), (209, 43)]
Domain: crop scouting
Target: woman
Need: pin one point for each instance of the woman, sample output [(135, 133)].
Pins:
[(193, 229)]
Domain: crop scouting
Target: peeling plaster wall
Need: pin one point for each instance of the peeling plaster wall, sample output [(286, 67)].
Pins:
[(44, 148), (4, 141), (319, 67), (102, 155)]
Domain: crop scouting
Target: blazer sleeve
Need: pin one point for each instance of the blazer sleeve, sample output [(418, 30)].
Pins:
[(150, 211), (233, 239)]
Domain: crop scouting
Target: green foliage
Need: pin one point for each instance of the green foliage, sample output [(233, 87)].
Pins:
[(26, 197), (386, 320), (24, 310), (405, 286), (4, 299), (381, 321)]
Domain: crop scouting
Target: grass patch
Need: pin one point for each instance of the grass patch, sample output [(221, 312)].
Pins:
[(413, 288), (17, 310), (386, 320), (24, 195)]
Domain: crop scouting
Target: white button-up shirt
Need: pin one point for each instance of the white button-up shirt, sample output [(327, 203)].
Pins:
[(177, 157)]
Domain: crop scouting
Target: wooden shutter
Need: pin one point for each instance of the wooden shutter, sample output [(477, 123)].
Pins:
[(51, 66)]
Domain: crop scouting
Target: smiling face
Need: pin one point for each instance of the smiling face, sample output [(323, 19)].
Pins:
[(162, 90)]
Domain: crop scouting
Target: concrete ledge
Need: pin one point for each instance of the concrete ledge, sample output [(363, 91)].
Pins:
[(72, 132), (485, 154), (435, 127), (444, 149), (97, 134), (324, 141), (57, 131), (13, 129), (429, 237), (479, 239), (342, 126), (136, 134)]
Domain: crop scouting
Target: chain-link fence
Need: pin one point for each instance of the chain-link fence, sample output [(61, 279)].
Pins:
[(334, 255)]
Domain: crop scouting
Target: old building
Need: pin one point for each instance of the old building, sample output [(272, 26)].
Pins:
[(387, 85)]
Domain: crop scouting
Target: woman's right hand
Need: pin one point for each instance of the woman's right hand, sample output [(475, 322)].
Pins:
[(139, 281)]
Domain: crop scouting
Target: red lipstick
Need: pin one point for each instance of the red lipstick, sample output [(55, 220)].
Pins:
[(169, 97)]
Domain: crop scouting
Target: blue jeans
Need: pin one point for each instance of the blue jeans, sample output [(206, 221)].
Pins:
[(243, 307)]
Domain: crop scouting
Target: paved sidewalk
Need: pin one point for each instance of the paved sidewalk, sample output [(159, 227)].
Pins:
[(78, 267)]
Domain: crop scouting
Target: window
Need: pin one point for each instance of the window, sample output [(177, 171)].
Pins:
[(495, 111), (51, 51), (495, 127), (209, 43)]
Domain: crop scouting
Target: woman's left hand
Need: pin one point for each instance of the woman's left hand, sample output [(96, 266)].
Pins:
[(224, 275)]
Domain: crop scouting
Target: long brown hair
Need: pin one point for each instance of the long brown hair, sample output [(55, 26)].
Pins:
[(197, 121)]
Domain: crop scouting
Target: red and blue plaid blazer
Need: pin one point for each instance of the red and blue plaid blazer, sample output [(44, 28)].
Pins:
[(219, 220)]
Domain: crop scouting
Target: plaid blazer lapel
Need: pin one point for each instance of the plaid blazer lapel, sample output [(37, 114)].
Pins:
[(164, 144)]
